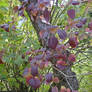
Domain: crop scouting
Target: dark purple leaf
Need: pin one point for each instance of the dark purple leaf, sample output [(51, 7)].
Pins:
[(23, 56), (46, 14), (79, 25), (71, 13), (29, 58), (48, 77), (48, 55), (83, 21), (39, 57), (62, 34), (52, 42), (73, 42), (5, 27), (34, 70), (75, 3), (42, 65), (34, 83), (26, 70), (57, 56)]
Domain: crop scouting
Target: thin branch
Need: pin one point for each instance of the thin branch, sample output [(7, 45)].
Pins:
[(88, 73)]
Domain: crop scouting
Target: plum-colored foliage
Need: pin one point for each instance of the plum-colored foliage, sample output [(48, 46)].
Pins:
[(52, 42), (61, 40), (71, 13)]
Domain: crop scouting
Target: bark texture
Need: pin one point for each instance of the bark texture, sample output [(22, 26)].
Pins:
[(69, 82)]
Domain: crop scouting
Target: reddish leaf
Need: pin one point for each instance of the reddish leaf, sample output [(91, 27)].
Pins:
[(41, 33), (61, 63), (27, 72), (42, 65), (60, 47), (61, 67), (72, 58), (68, 90), (88, 30), (56, 80), (29, 58), (28, 78), (71, 13), (28, 52), (63, 89), (57, 56), (73, 42)]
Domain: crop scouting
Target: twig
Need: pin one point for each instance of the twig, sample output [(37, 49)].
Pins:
[(88, 73)]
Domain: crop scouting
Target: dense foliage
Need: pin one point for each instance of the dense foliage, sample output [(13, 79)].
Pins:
[(27, 58)]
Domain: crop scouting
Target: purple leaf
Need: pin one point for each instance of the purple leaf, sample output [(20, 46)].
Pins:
[(5, 27), (62, 34), (54, 89), (52, 42), (39, 57), (34, 70), (79, 25), (71, 13), (46, 14), (75, 3), (48, 77), (29, 58), (83, 21), (35, 83), (26, 70)]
